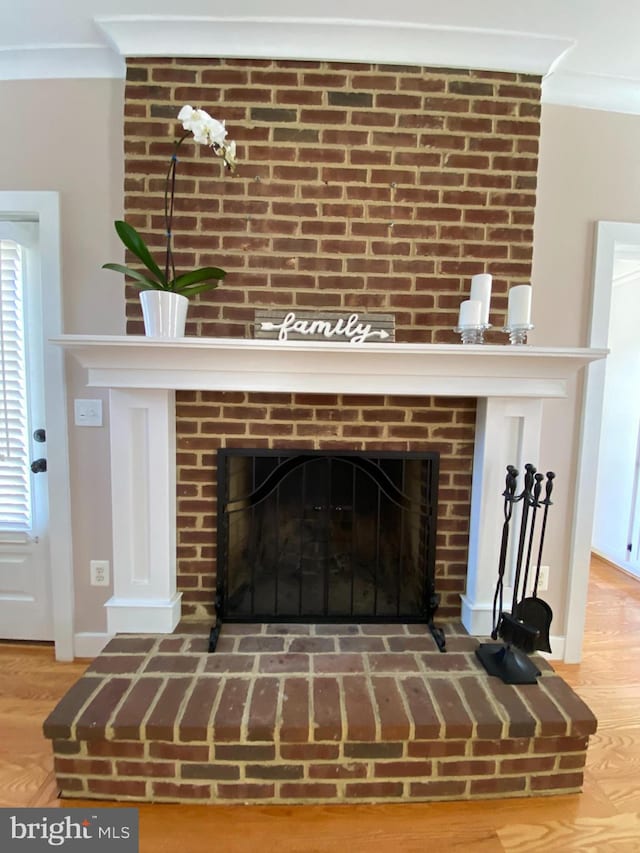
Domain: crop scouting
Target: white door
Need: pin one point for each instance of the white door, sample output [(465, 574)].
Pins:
[(25, 595)]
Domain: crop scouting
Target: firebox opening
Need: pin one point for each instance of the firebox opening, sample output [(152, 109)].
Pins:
[(326, 536)]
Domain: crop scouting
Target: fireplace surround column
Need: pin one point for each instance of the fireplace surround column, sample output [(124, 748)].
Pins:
[(143, 498), (508, 432)]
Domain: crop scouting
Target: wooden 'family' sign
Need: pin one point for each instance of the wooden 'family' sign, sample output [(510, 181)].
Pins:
[(326, 326)]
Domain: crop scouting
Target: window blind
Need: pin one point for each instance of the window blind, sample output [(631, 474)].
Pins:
[(15, 476)]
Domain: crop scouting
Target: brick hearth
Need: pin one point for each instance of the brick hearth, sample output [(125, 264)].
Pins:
[(312, 713)]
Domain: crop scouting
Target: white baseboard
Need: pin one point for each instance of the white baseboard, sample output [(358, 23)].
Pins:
[(89, 645), (616, 564)]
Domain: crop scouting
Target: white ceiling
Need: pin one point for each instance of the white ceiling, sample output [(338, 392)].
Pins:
[(588, 51)]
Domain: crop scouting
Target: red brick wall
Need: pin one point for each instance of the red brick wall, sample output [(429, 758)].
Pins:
[(207, 421), (377, 188)]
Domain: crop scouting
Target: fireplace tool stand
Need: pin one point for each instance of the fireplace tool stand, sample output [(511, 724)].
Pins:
[(525, 628)]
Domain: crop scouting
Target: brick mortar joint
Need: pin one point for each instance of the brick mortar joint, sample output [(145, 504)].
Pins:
[(438, 762)]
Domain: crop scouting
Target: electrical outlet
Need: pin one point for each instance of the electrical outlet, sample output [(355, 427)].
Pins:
[(543, 580), (87, 413), (99, 570)]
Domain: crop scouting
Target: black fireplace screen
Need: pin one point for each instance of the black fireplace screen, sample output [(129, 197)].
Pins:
[(325, 536)]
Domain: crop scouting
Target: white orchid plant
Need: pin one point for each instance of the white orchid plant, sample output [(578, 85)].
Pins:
[(206, 131)]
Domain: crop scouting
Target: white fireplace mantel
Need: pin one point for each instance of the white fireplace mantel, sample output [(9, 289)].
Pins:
[(509, 382), (241, 364)]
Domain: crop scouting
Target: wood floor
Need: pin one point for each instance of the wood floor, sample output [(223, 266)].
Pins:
[(606, 817)]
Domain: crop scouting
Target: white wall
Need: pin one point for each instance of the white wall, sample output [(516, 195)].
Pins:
[(66, 135), (589, 171)]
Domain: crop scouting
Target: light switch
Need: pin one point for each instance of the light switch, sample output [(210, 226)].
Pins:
[(88, 413)]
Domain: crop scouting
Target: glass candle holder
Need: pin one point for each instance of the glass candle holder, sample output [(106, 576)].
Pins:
[(472, 334), (518, 334)]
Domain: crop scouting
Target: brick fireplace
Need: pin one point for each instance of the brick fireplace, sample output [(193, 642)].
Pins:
[(360, 187), (317, 713)]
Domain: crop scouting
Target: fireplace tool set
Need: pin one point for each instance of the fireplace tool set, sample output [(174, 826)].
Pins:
[(525, 629)]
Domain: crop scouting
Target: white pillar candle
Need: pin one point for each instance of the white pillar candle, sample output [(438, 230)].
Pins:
[(519, 306), (470, 313), (481, 290)]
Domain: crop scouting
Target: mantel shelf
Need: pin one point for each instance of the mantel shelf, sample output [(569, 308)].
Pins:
[(242, 364)]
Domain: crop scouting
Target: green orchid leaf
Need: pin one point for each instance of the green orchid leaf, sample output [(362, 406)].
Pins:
[(196, 276), (193, 289), (140, 280), (134, 242)]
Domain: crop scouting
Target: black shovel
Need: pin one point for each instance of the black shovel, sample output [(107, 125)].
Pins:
[(533, 610)]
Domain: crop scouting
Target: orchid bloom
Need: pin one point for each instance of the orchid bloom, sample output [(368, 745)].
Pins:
[(208, 131)]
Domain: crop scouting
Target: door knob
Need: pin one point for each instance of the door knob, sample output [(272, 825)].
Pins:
[(39, 435), (38, 466)]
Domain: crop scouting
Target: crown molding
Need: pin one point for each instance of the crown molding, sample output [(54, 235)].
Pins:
[(346, 40), (331, 40), (592, 92), (38, 62)]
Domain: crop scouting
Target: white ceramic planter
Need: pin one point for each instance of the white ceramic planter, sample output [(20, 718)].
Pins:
[(164, 312)]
